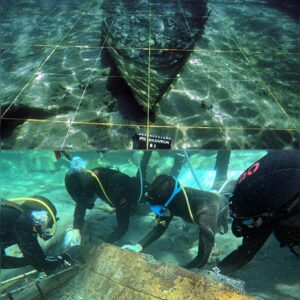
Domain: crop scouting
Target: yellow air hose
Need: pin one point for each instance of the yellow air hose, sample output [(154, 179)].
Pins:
[(188, 204), (100, 185)]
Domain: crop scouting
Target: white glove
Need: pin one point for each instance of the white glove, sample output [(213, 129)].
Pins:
[(72, 238), (216, 270), (134, 248)]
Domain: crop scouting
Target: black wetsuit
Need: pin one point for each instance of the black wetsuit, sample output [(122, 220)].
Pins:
[(122, 190), (270, 188), (209, 213), (16, 228)]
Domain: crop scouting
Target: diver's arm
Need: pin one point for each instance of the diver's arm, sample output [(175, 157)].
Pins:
[(244, 253), (123, 217), (206, 242), (156, 232), (32, 251), (79, 214)]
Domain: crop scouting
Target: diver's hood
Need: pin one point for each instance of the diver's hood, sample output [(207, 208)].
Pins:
[(82, 187), (42, 212), (272, 187), (29, 206), (160, 190), (290, 207)]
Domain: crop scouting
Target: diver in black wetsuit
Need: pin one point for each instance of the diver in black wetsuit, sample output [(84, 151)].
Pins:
[(205, 209), (112, 186), (266, 199), (21, 224)]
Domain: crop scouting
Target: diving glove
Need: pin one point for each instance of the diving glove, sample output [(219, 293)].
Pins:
[(134, 248), (72, 238), (71, 254)]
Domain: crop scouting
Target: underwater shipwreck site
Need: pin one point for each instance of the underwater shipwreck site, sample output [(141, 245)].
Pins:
[(207, 74), (106, 271)]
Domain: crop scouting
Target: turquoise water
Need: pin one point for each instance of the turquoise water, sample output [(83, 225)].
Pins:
[(238, 89), (273, 274)]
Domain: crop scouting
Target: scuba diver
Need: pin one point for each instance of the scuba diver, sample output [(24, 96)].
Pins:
[(21, 224), (112, 186), (167, 198), (266, 200)]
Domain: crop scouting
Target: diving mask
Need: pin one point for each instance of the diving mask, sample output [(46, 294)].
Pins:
[(162, 210), (159, 210), (252, 222)]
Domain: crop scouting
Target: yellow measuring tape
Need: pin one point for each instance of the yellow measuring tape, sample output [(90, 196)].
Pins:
[(43, 204)]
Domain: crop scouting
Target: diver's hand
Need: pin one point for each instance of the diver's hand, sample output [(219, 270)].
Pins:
[(72, 238), (216, 270), (134, 248), (71, 254)]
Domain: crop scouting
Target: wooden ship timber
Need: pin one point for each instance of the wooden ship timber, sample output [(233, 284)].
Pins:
[(108, 272), (150, 43)]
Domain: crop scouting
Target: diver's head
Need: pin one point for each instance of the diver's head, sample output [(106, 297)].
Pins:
[(43, 214), (82, 187), (253, 213), (160, 190), (243, 216), (161, 193)]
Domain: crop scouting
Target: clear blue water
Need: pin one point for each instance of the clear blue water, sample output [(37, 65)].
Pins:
[(273, 274)]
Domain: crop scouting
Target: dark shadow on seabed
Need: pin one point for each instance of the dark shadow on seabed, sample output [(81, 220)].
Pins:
[(291, 7)]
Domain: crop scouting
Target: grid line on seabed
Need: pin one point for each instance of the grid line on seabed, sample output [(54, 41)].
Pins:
[(149, 78), (265, 86), (45, 61), (166, 15), (84, 91), (186, 78), (278, 52), (146, 125), (189, 30)]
